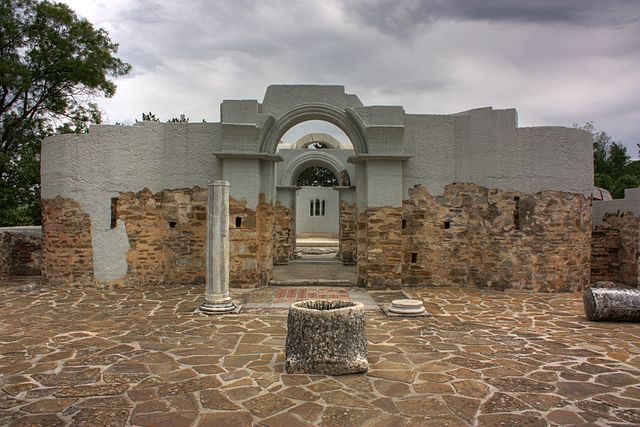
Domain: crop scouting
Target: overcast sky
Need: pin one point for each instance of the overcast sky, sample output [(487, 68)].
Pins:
[(558, 62)]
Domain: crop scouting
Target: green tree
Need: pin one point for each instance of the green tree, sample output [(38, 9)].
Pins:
[(612, 165), (317, 176), (52, 65)]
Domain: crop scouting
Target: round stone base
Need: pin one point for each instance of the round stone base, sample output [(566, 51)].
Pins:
[(218, 308), (406, 306)]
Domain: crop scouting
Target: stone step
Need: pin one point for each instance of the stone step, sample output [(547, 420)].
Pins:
[(313, 282)]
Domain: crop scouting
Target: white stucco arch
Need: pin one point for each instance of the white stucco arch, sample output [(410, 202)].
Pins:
[(311, 158), (345, 119), (312, 138)]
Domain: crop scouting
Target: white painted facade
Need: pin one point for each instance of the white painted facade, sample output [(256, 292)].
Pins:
[(392, 151)]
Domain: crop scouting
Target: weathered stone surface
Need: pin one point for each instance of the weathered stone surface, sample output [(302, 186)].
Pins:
[(284, 237), (612, 304), (20, 251), (67, 253), (472, 235), (538, 340), (614, 249), (326, 337), (347, 233)]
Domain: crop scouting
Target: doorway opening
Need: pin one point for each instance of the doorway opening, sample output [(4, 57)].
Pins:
[(314, 189)]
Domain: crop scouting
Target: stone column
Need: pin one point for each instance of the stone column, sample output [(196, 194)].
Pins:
[(217, 299)]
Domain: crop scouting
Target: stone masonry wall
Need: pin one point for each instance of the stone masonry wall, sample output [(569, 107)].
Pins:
[(251, 243), (67, 254), (265, 217), (379, 249), (166, 232), (605, 255), (284, 239), (167, 236), (348, 233), (26, 254), (5, 255), (615, 249), (488, 238)]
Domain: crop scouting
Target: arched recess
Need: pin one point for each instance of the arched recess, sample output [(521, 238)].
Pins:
[(312, 138), (315, 158), (344, 119)]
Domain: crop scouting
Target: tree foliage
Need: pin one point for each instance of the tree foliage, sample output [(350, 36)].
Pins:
[(52, 64), (612, 164), (317, 176)]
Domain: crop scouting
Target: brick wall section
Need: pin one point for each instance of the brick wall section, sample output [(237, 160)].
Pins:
[(251, 244), (284, 239), (384, 248), (361, 253), (348, 233), (265, 217), (67, 254), (167, 233), (605, 256), (623, 228), (487, 238)]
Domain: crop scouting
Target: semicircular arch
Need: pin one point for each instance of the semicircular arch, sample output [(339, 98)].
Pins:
[(302, 162), (344, 119)]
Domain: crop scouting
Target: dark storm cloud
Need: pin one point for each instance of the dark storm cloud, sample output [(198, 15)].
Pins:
[(403, 17)]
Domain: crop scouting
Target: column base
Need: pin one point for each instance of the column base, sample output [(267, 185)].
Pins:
[(226, 307)]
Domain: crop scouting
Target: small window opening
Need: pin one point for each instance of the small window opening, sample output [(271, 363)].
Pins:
[(311, 208), (317, 207), (516, 213), (414, 257), (238, 221), (447, 225), (404, 224), (323, 208), (114, 212), (172, 224)]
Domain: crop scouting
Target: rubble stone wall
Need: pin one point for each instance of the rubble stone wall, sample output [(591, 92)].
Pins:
[(347, 251), (166, 233), (472, 236), (67, 254), (167, 238), (284, 234), (615, 253), (26, 254), (5, 255), (605, 255)]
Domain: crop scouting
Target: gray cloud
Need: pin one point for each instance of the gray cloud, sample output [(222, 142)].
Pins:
[(404, 17), (558, 62)]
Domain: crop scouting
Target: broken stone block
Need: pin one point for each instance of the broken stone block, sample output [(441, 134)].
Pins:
[(612, 304)]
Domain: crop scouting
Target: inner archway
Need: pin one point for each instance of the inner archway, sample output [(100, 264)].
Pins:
[(314, 188)]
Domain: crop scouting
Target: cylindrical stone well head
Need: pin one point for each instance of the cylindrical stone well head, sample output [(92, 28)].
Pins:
[(612, 304), (326, 337)]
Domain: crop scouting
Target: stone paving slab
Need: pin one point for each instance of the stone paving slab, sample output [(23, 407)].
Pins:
[(137, 356)]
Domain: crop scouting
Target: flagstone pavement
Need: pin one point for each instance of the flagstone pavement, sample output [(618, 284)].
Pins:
[(134, 356)]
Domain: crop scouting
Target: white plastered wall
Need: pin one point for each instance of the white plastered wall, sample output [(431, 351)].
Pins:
[(93, 168)]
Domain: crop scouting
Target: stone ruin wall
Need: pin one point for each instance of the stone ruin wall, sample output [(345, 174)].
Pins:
[(488, 238), (615, 249), (347, 233), (466, 237), (67, 252), (284, 234), (20, 251), (167, 235)]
